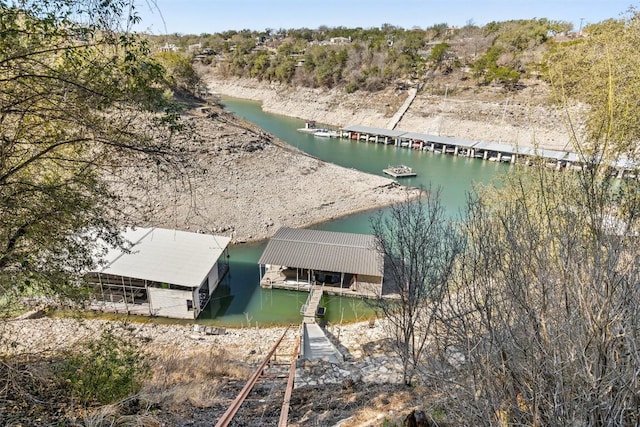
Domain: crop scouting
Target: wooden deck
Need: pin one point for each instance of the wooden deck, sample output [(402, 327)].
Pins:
[(276, 279)]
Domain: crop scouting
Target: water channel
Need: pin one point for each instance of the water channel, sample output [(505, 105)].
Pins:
[(240, 301)]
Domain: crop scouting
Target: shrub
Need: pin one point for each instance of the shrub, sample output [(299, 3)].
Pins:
[(104, 370), (351, 87)]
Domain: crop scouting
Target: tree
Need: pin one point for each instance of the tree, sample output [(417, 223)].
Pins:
[(601, 71), (179, 70), (542, 323), (80, 99), (542, 326), (419, 245)]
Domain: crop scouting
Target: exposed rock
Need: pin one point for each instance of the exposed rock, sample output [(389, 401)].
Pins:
[(525, 117), (251, 175)]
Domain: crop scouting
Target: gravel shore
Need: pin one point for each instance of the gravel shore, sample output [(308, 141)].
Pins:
[(245, 184), (52, 334)]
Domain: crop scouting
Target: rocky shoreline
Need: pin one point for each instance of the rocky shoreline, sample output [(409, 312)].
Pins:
[(245, 184), (363, 345)]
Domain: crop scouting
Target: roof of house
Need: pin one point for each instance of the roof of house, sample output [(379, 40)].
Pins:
[(165, 256), (324, 250)]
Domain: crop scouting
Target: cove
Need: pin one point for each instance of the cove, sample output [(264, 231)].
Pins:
[(240, 301)]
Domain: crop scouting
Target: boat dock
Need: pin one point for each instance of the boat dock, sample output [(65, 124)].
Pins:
[(310, 308), (485, 150)]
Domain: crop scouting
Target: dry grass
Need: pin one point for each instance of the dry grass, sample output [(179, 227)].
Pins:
[(115, 416), (388, 409), (195, 377)]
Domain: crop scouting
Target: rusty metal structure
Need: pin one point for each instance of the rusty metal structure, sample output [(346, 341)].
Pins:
[(270, 358)]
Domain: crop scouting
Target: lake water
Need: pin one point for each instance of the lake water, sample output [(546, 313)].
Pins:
[(240, 301)]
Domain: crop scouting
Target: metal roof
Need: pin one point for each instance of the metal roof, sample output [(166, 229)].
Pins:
[(623, 162), (324, 250), (373, 131), (573, 158), (415, 136), (165, 256), (480, 145), (494, 146)]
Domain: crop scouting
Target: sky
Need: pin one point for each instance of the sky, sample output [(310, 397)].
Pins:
[(213, 16)]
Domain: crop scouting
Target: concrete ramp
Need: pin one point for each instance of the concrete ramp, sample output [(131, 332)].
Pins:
[(316, 345)]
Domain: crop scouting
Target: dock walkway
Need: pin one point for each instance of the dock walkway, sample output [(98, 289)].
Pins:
[(310, 308), (316, 345)]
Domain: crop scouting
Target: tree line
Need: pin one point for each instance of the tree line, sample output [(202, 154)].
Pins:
[(374, 58)]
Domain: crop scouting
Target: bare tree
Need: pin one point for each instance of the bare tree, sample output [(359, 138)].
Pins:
[(419, 245), (544, 315)]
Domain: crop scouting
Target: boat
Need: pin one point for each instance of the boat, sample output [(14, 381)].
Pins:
[(326, 133), (400, 171)]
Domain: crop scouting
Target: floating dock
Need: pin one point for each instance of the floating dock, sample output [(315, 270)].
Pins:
[(401, 171)]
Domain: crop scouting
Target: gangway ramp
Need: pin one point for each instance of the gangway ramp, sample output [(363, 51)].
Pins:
[(316, 345), (310, 308), (403, 109)]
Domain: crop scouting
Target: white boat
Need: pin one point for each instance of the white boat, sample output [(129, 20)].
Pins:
[(326, 133)]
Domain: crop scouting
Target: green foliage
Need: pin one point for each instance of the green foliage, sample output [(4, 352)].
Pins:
[(438, 55), (486, 62), (520, 35), (70, 106), (179, 70), (438, 52), (397, 52), (351, 87), (602, 71), (506, 76), (104, 370)]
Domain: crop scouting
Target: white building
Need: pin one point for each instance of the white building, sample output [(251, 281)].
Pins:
[(167, 273)]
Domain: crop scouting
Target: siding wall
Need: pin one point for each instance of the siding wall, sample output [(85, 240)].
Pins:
[(172, 303)]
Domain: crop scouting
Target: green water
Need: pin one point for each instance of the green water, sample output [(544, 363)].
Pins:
[(240, 301)]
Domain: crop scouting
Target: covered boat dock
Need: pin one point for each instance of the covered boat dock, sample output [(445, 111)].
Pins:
[(486, 150), (159, 272), (347, 264)]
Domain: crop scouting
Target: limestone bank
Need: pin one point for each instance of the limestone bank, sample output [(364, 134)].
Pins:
[(525, 117)]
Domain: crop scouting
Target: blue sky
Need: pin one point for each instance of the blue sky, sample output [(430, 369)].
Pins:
[(211, 16)]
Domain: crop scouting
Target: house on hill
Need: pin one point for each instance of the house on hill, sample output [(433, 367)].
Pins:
[(161, 272), (345, 263)]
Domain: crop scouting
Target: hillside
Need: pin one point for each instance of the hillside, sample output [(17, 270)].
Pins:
[(524, 118)]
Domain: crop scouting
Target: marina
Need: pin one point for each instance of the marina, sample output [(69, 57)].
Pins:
[(241, 300), (485, 150)]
